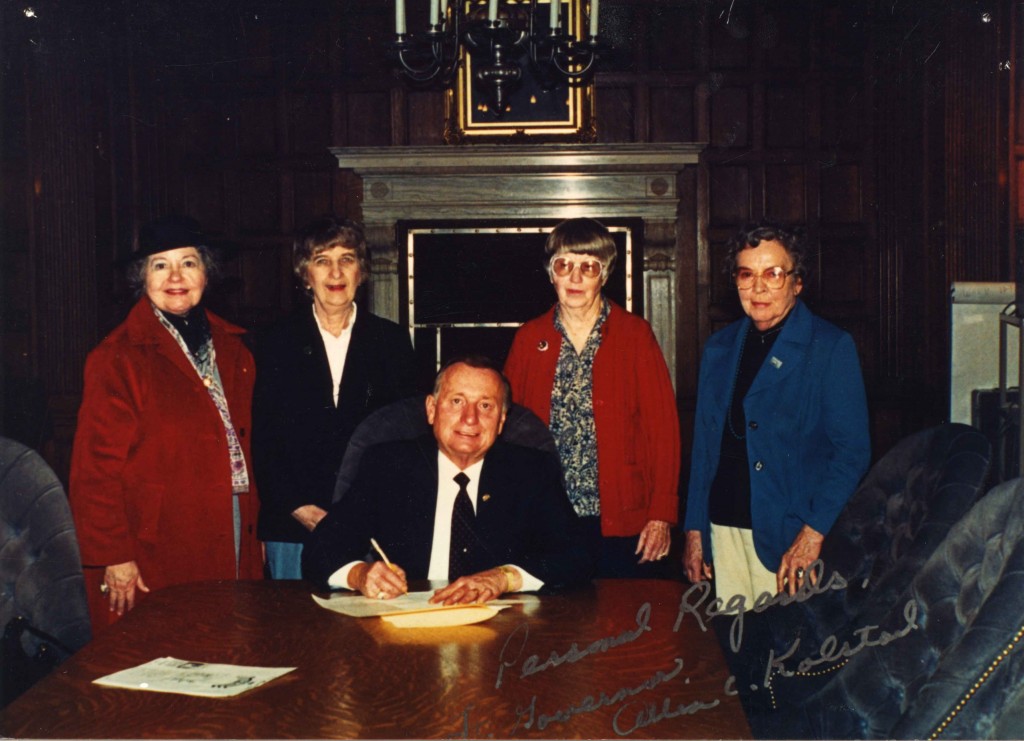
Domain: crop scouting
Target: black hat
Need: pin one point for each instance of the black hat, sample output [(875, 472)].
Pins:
[(168, 233)]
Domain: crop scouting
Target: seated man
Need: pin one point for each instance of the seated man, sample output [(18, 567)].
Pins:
[(459, 505)]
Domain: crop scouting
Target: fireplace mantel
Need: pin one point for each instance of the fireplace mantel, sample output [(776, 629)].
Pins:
[(420, 185), (529, 181)]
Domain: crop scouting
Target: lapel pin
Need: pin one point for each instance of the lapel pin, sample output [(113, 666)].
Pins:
[(776, 363), (486, 497), (542, 345)]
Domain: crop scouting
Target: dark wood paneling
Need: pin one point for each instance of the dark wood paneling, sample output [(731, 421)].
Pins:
[(615, 114), (880, 128)]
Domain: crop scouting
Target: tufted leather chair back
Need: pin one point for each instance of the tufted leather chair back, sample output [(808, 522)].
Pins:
[(40, 569), (895, 520), (406, 419), (892, 524), (960, 672)]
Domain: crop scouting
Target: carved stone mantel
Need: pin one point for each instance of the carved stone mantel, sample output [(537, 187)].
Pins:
[(541, 181)]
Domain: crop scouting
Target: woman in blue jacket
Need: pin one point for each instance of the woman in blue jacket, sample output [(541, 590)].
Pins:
[(781, 429)]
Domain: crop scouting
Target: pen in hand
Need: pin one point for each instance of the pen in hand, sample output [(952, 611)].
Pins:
[(383, 555)]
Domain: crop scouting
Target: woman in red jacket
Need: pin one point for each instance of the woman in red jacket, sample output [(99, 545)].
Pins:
[(595, 374), (160, 477)]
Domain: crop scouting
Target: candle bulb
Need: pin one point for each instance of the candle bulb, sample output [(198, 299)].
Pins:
[(435, 14), (492, 10), (555, 16), (593, 17), (399, 17)]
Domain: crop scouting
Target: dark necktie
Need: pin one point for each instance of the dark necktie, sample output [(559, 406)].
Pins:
[(462, 531)]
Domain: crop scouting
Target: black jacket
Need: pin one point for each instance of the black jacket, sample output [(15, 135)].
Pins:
[(523, 515), (299, 436)]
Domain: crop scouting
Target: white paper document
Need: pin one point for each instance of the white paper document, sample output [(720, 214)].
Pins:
[(193, 677), (354, 604)]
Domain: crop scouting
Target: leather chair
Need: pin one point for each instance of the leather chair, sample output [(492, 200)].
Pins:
[(893, 522), (406, 419), (40, 568), (955, 667)]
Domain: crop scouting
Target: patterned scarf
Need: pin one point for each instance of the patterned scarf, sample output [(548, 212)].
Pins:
[(204, 360)]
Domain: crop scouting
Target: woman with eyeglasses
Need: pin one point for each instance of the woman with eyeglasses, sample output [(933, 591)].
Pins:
[(780, 430), (595, 374)]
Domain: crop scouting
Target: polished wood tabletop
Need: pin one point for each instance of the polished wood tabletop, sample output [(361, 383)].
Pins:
[(603, 661)]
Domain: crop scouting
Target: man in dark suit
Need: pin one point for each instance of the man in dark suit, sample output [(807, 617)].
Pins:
[(519, 532)]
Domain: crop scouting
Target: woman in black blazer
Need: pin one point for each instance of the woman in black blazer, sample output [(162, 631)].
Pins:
[(319, 373)]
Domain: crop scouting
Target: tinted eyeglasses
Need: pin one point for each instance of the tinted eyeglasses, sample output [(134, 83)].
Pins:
[(773, 278), (562, 267)]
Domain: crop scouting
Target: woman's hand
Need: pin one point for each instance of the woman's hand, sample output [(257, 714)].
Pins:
[(693, 558), (121, 580), (309, 515), (378, 580), (797, 560), (481, 587), (654, 541)]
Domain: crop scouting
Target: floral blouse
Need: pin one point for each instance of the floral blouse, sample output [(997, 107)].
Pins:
[(572, 417)]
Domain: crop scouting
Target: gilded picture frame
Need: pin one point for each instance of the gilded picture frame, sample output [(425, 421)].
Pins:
[(563, 113)]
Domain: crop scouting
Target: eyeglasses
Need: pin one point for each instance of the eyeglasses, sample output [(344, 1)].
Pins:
[(562, 267), (773, 278)]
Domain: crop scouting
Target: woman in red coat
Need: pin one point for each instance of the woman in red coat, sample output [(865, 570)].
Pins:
[(595, 374), (160, 476)]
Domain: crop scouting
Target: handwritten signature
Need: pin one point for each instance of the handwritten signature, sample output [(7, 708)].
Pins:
[(516, 643), (831, 651), (693, 599), (630, 716), (634, 712)]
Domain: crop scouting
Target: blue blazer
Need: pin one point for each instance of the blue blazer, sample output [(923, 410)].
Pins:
[(807, 430)]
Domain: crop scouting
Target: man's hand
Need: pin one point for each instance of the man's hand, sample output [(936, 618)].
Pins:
[(377, 580), (309, 515), (693, 558), (797, 560), (481, 587), (654, 542), (121, 580)]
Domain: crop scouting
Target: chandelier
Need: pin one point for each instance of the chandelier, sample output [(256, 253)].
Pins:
[(498, 35)]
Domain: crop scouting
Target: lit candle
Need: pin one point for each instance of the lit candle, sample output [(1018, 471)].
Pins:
[(435, 13), (492, 10), (399, 17), (593, 17), (555, 14)]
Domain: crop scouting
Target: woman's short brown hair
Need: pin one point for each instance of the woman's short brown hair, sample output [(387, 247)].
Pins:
[(322, 234), (584, 237)]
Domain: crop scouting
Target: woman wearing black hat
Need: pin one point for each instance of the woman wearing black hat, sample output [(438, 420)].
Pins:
[(160, 474)]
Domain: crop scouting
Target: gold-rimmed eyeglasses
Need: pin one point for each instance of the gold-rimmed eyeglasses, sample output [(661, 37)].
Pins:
[(773, 278), (562, 267)]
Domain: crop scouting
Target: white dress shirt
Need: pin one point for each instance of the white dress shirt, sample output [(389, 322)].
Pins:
[(447, 490), (337, 348)]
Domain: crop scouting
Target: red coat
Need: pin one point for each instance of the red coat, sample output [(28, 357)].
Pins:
[(150, 473), (634, 414)]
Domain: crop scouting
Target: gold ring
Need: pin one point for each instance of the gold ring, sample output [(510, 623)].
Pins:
[(800, 573), (381, 595), (104, 588)]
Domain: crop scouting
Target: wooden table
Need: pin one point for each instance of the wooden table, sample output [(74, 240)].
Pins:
[(360, 678)]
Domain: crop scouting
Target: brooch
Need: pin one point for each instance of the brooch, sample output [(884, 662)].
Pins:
[(542, 345)]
